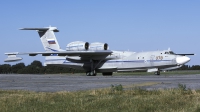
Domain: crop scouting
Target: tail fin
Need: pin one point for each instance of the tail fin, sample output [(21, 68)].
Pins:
[(47, 38)]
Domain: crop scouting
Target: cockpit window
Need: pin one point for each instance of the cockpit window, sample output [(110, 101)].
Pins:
[(171, 52)]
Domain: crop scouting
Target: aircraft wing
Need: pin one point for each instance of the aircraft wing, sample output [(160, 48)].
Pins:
[(13, 55)]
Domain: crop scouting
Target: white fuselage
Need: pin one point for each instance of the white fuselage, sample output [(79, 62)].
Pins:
[(122, 61)]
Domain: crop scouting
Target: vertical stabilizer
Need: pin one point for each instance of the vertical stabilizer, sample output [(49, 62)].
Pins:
[(47, 38)]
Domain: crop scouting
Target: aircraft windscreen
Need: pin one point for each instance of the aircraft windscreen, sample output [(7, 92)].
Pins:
[(171, 52)]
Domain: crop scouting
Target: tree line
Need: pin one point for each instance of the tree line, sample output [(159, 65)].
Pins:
[(36, 67), (188, 67)]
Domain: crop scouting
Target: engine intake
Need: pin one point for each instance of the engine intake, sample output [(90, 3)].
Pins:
[(98, 46), (77, 46)]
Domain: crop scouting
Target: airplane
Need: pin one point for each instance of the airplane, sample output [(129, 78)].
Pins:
[(96, 57)]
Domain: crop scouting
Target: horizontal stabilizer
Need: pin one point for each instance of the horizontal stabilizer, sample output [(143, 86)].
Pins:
[(12, 53), (42, 29)]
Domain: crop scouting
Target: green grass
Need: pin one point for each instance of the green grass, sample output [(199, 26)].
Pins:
[(114, 99)]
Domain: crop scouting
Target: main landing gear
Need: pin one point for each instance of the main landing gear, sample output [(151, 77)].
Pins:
[(157, 73), (93, 73)]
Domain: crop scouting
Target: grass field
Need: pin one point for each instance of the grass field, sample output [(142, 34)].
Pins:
[(113, 99)]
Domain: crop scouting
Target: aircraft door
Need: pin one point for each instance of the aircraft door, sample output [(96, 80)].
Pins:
[(152, 58)]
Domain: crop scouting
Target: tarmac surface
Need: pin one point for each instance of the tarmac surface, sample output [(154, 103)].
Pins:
[(54, 83)]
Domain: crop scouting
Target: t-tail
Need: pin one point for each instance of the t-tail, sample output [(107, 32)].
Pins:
[(47, 38)]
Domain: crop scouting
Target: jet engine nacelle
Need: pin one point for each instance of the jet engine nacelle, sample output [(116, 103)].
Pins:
[(77, 46), (98, 46)]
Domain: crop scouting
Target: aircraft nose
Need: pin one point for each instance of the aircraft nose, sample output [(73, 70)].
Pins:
[(182, 60)]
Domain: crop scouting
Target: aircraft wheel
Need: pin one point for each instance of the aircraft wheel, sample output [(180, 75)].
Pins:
[(88, 74), (93, 73), (157, 73)]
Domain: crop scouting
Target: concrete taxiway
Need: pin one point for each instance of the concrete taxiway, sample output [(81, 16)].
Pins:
[(54, 83)]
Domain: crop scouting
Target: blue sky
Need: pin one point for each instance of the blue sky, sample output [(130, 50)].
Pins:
[(142, 25)]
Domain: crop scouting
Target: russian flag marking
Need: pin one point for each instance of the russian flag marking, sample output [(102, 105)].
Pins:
[(51, 42)]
